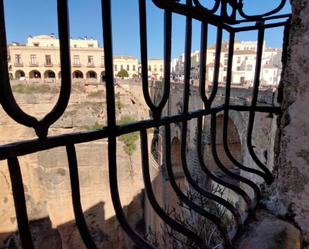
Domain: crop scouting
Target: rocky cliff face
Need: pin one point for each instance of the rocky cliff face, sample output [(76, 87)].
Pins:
[(46, 174)]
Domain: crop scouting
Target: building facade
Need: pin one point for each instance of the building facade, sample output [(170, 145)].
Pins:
[(128, 63), (39, 59), (243, 68)]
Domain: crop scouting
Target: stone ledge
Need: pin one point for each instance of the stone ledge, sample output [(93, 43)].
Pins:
[(269, 232)]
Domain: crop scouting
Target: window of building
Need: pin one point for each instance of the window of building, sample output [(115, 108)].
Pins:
[(102, 61), (121, 67), (161, 68), (18, 59), (48, 59), (33, 59), (90, 60), (116, 68), (90, 45), (238, 59), (36, 44), (75, 46), (249, 67), (134, 69), (149, 68), (226, 55), (76, 60), (225, 61), (128, 68), (238, 68), (225, 69), (242, 80)]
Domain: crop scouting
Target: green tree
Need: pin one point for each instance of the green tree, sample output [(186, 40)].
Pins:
[(129, 141), (123, 73)]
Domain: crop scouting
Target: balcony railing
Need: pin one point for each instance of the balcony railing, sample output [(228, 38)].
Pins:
[(222, 20)]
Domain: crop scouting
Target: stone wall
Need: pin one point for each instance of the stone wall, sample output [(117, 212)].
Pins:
[(46, 174), (289, 196)]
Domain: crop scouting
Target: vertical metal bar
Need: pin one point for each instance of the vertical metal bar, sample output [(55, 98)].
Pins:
[(167, 60), (226, 119), (111, 121), (183, 197), (144, 54), (261, 33), (203, 61), (65, 59), (75, 192), (226, 110), (152, 199), (20, 203), (217, 65), (7, 99)]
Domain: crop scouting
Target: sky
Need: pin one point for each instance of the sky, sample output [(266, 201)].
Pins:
[(35, 17)]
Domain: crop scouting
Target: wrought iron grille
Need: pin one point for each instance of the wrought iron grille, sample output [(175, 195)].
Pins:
[(227, 15)]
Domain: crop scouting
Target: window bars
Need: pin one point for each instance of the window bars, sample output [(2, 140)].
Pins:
[(226, 15)]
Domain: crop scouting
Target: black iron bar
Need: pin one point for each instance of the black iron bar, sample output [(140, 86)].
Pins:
[(269, 176), (210, 174), (226, 116), (144, 54), (186, 98), (76, 202), (7, 99), (111, 121), (183, 197), (152, 199), (34, 145), (226, 171), (65, 89), (20, 203), (217, 68), (203, 61)]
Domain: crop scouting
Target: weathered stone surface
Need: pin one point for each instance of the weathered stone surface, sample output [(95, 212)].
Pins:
[(269, 232), (289, 194)]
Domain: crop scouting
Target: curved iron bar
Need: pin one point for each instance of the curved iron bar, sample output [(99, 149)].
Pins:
[(269, 177), (227, 102), (203, 61), (257, 17), (220, 164), (202, 13), (77, 207), (187, 173), (226, 116), (210, 11), (156, 109), (6, 95), (184, 198), (112, 127), (217, 67), (152, 199), (20, 203), (200, 190), (7, 99), (212, 176), (66, 81), (187, 66), (186, 93)]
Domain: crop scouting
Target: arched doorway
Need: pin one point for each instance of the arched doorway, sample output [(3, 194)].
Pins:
[(91, 75), (49, 74), (20, 75), (34, 74), (78, 75)]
